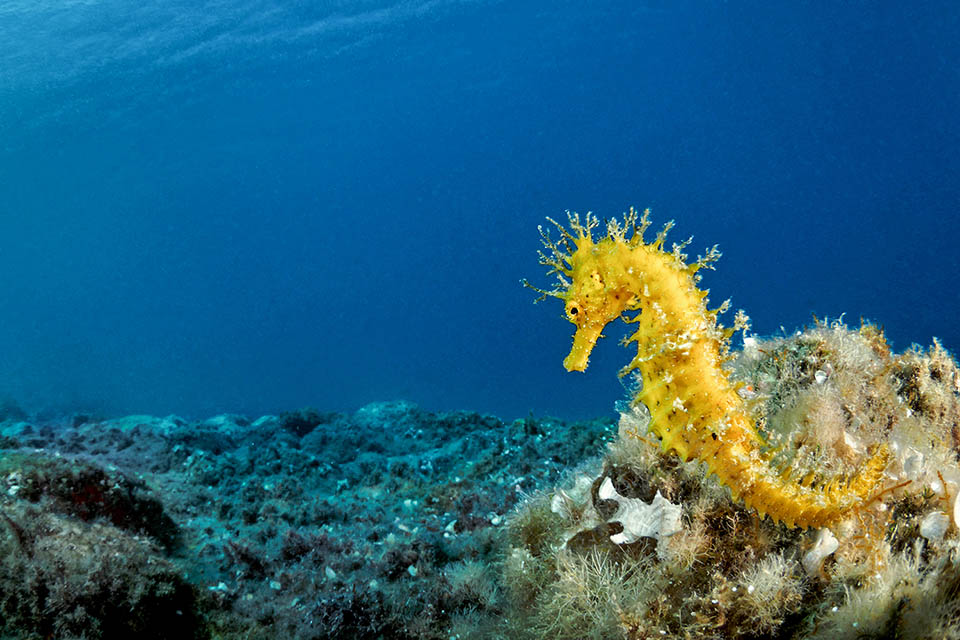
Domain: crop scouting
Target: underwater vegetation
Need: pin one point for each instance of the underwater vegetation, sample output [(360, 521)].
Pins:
[(804, 487)]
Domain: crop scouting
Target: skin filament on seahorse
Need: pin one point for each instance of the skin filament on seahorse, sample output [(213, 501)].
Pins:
[(695, 409)]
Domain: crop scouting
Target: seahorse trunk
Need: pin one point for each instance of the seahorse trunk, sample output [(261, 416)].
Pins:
[(715, 428), (694, 409)]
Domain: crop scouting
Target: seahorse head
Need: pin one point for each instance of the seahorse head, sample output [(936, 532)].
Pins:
[(598, 294)]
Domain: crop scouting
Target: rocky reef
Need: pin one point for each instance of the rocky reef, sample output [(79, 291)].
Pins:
[(383, 523)]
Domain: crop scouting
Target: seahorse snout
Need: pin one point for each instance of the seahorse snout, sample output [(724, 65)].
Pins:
[(583, 341)]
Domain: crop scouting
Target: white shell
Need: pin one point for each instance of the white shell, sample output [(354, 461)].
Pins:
[(660, 519), (825, 545), (566, 504), (934, 525), (852, 442), (913, 464)]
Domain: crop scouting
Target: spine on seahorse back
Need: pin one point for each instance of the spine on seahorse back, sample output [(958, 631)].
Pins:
[(694, 408)]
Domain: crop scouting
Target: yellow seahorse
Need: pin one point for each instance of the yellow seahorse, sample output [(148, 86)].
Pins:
[(695, 409)]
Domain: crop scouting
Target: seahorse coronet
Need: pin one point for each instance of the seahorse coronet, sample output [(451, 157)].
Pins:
[(694, 407)]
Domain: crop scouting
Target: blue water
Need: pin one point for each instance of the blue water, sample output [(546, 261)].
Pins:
[(254, 206)]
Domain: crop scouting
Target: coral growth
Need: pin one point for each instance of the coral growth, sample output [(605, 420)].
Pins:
[(883, 572)]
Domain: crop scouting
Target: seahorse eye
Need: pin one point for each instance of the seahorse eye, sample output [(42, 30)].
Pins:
[(573, 310)]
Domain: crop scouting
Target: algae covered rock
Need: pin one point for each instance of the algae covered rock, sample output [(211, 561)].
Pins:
[(85, 555), (822, 399)]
